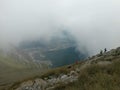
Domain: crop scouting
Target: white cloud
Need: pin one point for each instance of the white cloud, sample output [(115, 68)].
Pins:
[(94, 23)]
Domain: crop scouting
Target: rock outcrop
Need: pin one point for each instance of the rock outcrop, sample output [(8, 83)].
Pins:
[(48, 84)]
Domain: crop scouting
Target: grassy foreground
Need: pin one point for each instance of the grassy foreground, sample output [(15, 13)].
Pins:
[(96, 77)]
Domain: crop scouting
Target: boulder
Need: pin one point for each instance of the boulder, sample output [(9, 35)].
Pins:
[(73, 73), (40, 84)]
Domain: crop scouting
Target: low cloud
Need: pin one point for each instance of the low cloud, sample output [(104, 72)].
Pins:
[(95, 24)]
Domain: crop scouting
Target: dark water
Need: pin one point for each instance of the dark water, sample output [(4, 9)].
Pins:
[(65, 56)]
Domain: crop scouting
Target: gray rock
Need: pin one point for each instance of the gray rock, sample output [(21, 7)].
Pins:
[(40, 84), (64, 77), (73, 73)]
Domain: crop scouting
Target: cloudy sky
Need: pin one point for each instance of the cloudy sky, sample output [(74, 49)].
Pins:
[(94, 23)]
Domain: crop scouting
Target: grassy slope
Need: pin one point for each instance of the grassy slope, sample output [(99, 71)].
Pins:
[(12, 71), (94, 76), (98, 77)]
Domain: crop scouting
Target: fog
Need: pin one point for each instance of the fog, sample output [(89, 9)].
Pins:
[(95, 24)]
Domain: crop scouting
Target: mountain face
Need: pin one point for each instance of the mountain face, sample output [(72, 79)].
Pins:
[(59, 50), (99, 72)]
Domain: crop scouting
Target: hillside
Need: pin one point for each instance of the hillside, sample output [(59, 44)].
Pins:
[(100, 72), (13, 70)]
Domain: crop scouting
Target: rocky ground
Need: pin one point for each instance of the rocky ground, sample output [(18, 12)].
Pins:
[(48, 84)]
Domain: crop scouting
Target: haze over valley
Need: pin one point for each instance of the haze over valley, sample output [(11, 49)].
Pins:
[(37, 36), (93, 24)]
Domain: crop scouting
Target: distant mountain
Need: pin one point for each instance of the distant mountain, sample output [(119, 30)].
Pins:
[(59, 50)]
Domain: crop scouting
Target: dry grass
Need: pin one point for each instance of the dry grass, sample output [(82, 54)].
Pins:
[(61, 70), (96, 77)]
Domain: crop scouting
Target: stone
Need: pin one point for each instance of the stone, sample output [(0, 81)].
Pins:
[(73, 73), (63, 77), (40, 83), (77, 70)]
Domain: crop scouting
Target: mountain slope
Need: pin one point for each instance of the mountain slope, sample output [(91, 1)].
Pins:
[(12, 70), (100, 72)]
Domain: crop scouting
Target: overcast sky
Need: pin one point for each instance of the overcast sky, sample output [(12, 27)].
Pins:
[(94, 23)]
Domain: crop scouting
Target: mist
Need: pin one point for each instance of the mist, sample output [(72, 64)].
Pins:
[(95, 24)]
